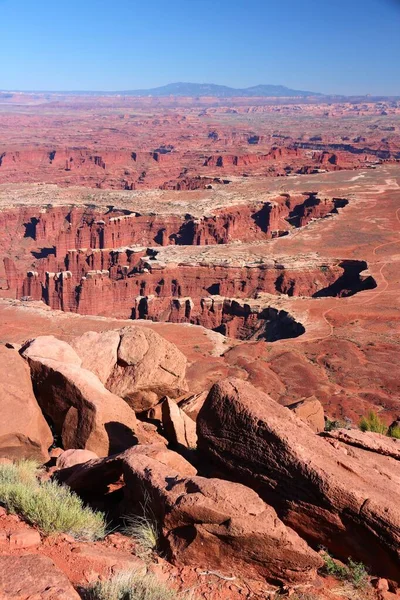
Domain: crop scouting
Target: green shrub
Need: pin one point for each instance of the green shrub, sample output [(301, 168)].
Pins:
[(51, 507), (358, 573), (373, 423), (131, 586), (354, 572), (394, 432), (334, 568)]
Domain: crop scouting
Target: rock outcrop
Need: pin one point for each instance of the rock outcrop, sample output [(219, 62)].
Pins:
[(216, 524), (72, 457), (83, 411), (207, 523), (93, 476), (135, 363), (373, 442), (311, 411), (33, 576), (179, 429), (24, 432), (347, 503)]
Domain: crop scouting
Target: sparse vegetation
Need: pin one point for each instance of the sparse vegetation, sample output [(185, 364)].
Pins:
[(394, 432), (131, 586), (144, 530), (331, 425), (354, 572), (53, 508), (373, 423)]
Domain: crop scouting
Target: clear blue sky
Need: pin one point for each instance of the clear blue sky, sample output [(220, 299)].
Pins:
[(338, 46)]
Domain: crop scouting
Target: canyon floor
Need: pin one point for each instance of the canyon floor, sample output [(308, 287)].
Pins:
[(261, 241)]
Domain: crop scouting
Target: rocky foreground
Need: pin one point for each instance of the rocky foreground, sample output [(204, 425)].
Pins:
[(242, 492)]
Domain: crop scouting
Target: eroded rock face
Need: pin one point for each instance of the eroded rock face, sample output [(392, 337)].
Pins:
[(216, 524), (350, 504), (98, 352), (311, 411), (208, 523), (24, 432), (83, 411), (373, 442), (33, 576), (71, 457), (179, 429), (94, 475), (134, 363)]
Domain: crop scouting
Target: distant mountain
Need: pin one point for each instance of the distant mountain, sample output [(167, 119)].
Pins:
[(219, 91)]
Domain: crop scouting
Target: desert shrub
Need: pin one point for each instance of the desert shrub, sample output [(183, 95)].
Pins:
[(394, 432), (373, 423), (331, 425), (358, 573), (51, 507), (354, 572), (144, 530), (334, 568), (131, 586)]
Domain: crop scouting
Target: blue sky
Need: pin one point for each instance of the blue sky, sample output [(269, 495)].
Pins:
[(342, 46)]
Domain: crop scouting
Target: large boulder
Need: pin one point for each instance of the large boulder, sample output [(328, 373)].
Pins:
[(96, 475), (367, 440), (216, 524), (24, 432), (83, 411), (311, 411), (135, 363), (33, 576), (208, 523), (348, 503), (179, 429), (98, 352), (72, 457)]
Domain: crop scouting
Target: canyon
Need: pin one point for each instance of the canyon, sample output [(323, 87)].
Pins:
[(191, 291)]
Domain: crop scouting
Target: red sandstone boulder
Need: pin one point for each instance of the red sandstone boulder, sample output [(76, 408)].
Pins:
[(347, 503), (179, 429), (48, 346), (98, 351), (72, 457), (95, 475), (135, 363), (367, 440), (24, 432), (216, 524), (192, 404), (33, 577), (310, 411), (83, 411)]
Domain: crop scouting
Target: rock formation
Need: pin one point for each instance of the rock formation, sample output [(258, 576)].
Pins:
[(24, 432), (83, 411), (134, 363), (33, 576), (326, 495), (209, 522)]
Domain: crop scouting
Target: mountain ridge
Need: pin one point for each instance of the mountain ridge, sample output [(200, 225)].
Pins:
[(219, 91)]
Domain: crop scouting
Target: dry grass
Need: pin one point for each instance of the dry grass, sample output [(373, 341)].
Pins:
[(51, 507), (144, 531), (347, 591), (131, 586)]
